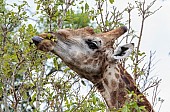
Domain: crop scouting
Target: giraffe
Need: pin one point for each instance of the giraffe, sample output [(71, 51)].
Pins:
[(93, 57)]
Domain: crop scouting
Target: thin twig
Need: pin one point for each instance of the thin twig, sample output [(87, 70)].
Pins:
[(84, 99)]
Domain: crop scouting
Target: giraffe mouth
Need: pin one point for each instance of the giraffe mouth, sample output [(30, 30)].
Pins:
[(44, 43), (37, 39), (50, 36)]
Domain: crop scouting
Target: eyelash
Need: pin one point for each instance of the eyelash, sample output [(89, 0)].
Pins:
[(92, 44)]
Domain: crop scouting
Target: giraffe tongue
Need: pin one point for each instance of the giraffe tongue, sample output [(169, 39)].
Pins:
[(37, 40)]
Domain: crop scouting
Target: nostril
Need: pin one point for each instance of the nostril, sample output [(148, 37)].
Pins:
[(37, 40)]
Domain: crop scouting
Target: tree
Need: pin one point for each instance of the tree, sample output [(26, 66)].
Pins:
[(31, 80)]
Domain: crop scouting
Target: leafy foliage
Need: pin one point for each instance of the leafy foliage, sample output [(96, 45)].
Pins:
[(132, 103), (30, 81)]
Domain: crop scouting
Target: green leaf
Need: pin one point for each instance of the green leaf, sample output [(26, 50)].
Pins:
[(1, 87), (86, 7), (111, 1), (55, 63), (25, 95), (94, 100), (142, 108), (66, 70), (81, 2), (24, 13), (30, 27), (38, 7), (15, 4), (125, 108), (107, 23)]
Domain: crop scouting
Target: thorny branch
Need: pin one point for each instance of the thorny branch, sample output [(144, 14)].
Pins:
[(50, 10), (145, 13), (110, 20), (147, 81), (68, 4), (142, 76)]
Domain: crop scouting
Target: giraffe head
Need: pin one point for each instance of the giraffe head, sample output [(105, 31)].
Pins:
[(93, 57), (84, 51)]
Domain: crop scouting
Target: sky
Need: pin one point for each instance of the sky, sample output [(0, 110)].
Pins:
[(156, 37)]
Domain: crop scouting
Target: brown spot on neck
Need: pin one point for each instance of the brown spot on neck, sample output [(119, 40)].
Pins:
[(117, 75), (113, 84), (121, 98), (113, 96), (117, 69), (100, 86), (109, 73), (106, 81), (121, 85)]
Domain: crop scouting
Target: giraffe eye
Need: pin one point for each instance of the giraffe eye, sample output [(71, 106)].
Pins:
[(92, 44)]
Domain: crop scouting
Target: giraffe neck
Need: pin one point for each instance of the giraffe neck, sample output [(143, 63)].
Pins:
[(114, 85)]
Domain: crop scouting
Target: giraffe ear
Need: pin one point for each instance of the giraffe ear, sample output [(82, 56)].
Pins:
[(123, 51), (114, 34)]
